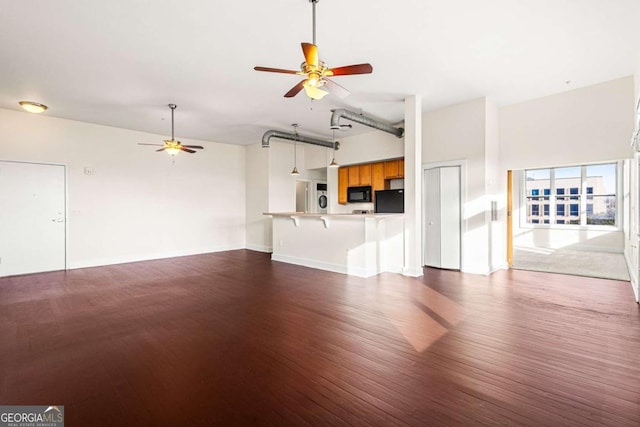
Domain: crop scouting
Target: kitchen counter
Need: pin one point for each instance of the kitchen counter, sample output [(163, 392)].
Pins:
[(357, 244)]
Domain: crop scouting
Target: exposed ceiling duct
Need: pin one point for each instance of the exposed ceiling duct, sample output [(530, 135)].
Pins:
[(363, 120), (296, 137)]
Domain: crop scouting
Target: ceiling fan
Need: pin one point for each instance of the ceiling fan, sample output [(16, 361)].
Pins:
[(172, 146), (316, 71)]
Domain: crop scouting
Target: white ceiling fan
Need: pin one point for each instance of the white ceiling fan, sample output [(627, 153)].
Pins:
[(172, 146)]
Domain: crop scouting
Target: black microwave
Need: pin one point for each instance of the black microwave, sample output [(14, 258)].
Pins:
[(359, 194)]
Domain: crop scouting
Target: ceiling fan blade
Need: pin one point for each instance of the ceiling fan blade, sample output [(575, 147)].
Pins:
[(162, 149), (335, 88), (275, 70), (294, 90), (188, 150), (310, 53), (144, 143), (199, 147), (350, 69)]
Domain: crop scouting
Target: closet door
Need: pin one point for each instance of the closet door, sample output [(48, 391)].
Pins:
[(450, 217), (432, 256), (442, 219)]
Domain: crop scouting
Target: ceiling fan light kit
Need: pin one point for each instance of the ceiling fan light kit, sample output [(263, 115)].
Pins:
[(171, 146), (316, 83)]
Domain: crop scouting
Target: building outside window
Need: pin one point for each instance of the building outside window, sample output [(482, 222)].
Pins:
[(568, 185)]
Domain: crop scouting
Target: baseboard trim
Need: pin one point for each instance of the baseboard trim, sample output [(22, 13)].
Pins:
[(161, 255), (335, 268), (633, 275), (259, 248), (412, 271)]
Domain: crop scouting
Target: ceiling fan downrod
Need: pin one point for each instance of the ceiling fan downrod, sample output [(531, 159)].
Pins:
[(173, 107), (314, 19)]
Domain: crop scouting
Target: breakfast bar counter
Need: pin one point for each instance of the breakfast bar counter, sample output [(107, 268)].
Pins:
[(356, 244)]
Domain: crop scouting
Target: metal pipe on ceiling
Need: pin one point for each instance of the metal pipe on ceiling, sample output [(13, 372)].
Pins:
[(296, 137), (363, 120)]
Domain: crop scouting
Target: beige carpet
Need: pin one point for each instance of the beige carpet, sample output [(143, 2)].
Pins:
[(604, 265)]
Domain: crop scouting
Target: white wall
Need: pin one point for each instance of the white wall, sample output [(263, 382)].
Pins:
[(587, 125), (459, 133), (137, 204), (258, 225), (497, 228), (631, 250)]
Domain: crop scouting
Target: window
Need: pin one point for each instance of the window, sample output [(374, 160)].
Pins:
[(574, 190), (602, 181), (536, 180), (574, 209), (578, 195)]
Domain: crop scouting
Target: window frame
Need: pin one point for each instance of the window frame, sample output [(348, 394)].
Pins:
[(582, 198)]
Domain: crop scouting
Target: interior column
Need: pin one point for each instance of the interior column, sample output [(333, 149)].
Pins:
[(413, 186)]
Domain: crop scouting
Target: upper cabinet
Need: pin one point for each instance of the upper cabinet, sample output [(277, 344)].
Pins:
[(343, 183), (394, 169), (377, 177), (359, 175)]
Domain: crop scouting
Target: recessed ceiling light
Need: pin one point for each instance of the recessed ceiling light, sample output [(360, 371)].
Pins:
[(33, 107)]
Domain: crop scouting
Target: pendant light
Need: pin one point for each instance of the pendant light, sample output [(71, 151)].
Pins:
[(295, 172), (333, 163)]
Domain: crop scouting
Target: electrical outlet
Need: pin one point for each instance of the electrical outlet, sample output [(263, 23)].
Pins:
[(280, 243)]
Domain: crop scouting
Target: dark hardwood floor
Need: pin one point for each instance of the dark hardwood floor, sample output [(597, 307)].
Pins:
[(234, 339)]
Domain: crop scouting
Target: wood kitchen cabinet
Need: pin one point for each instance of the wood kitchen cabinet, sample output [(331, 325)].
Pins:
[(394, 169), (354, 175), (359, 175), (343, 183), (365, 174), (377, 177)]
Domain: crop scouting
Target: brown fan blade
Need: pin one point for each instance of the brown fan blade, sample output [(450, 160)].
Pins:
[(350, 69), (294, 90), (310, 53), (144, 143), (199, 147), (335, 88), (183, 148), (162, 149), (275, 70)]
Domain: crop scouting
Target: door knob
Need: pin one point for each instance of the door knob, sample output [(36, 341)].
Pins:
[(58, 220)]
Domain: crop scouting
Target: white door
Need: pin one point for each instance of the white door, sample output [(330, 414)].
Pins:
[(442, 219), (432, 217), (32, 218)]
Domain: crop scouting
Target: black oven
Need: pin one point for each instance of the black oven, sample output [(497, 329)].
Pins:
[(359, 194)]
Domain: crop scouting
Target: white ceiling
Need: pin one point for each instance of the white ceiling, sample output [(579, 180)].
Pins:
[(120, 62)]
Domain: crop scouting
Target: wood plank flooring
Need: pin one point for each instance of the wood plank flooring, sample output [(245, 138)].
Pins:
[(233, 338)]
